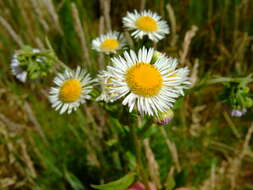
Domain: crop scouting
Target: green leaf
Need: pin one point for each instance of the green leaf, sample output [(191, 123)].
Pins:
[(112, 142), (131, 160), (73, 181), (120, 184), (170, 183)]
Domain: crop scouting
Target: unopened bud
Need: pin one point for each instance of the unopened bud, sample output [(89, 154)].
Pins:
[(165, 118)]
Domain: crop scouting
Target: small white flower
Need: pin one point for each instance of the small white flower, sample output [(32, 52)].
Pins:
[(150, 87), (238, 113), (108, 43), (146, 23), (16, 69), (73, 88)]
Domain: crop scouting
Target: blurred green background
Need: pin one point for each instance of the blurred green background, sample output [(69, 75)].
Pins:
[(203, 148)]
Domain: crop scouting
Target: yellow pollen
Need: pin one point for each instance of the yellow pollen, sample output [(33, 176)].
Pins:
[(109, 45), (70, 91), (144, 79), (146, 23)]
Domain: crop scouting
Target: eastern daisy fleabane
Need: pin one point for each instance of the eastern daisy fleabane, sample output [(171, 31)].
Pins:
[(104, 80), (109, 43), (146, 23), (238, 112), (183, 81), (72, 89), (149, 87), (16, 68)]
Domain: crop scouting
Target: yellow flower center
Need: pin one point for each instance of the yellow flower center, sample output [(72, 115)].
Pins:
[(109, 45), (70, 91), (144, 79), (146, 23)]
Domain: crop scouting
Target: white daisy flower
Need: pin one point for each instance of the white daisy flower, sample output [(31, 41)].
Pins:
[(146, 23), (182, 73), (238, 112), (108, 43), (182, 82), (151, 88), (105, 81), (16, 69), (73, 88)]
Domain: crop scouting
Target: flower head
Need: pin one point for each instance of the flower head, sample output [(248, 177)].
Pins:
[(165, 117), (238, 112), (72, 89), (30, 63), (109, 43), (146, 23), (150, 87), (16, 69), (16, 66), (104, 80)]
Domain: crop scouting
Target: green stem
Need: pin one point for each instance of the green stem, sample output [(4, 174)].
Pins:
[(227, 79), (140, 168), (47, 53), (62, 64), (241, 80)]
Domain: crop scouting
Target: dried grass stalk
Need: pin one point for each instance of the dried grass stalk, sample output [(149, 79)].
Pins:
[(186, 44), (105, 6), (11, 31), (34, 120), (80, 33), (152, 164), (11, 126), (235, 163), (173, 25), (142, 5), (101, 58), (37, 9), (173, 149), (51, 10)]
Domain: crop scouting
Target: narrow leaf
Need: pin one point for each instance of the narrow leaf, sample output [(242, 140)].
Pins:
[(120, 184)]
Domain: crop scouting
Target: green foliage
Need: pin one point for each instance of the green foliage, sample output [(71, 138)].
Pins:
[(38, 64), (170, 183), (237, 94), (121, 184)]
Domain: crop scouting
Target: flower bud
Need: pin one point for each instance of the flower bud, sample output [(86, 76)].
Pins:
[(165, 117), (31, 63)]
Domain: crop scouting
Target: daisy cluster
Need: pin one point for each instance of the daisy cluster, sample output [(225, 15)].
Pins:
[(145, 80)]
